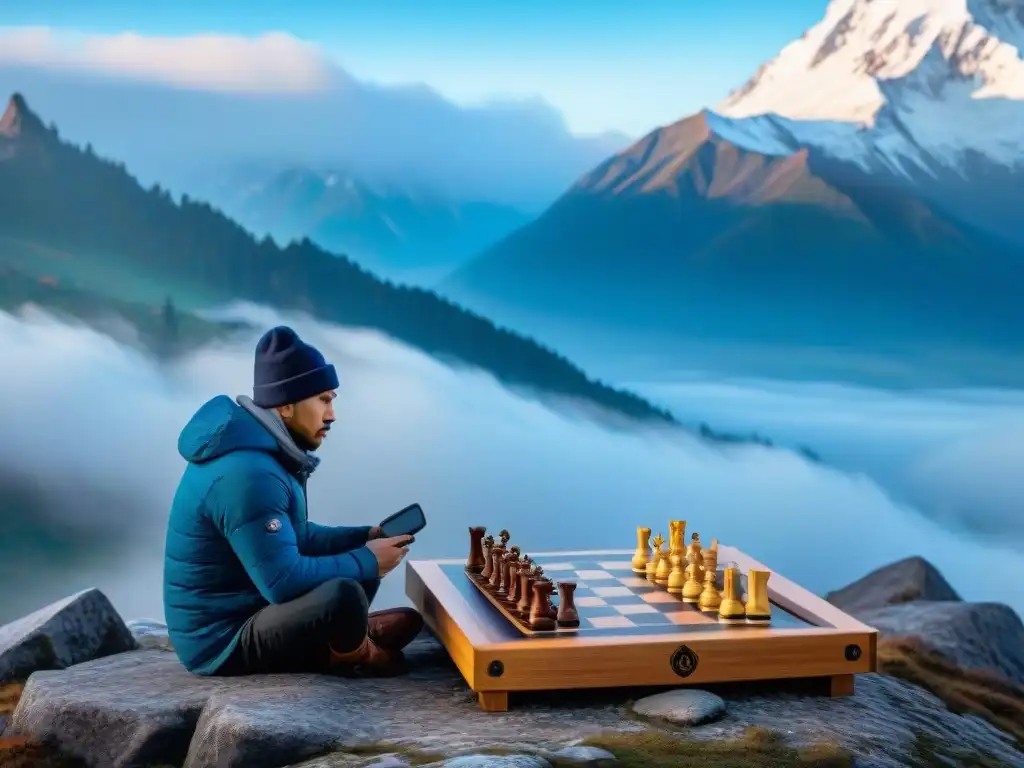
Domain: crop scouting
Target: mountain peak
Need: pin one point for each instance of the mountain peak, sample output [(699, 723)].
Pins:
[(18, 119), (866, 54)]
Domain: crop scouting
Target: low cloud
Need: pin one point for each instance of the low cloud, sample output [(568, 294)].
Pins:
[(193, 113), (97, 424), (271, 63)]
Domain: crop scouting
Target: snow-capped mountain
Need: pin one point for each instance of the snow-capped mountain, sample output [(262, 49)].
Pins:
[(913, 84), (862, 190)]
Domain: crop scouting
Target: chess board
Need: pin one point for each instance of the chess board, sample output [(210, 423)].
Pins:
[(633, 634), (612, 600)]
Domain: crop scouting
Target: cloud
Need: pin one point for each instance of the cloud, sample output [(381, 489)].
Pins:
[(270, 63), (188, 111), (77, 407)]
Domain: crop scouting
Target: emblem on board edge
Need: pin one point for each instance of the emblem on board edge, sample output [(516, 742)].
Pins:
[(684, 661), (273, 525)]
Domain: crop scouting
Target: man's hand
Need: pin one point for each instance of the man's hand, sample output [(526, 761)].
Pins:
[(375, 533), (389, 552)]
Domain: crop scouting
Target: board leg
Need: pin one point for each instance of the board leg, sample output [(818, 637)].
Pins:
[(840, 685), (493, 701)]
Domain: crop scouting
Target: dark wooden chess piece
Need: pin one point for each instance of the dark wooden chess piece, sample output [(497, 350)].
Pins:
[(488, 546), (525, 591), (504, 582), (497, 553), (512, 591), (475, 563), (567, 615), (540, 611)]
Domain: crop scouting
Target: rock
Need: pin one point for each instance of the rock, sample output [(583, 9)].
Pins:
[(78, 628), (901, 582), (682, 706), (149, 633), (974, 635), (878, 723), (584, 755), (142, 707)]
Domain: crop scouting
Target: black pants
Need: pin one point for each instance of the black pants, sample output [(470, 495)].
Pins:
[(297, 636)]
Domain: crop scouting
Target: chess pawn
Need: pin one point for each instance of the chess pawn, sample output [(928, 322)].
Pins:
[(488, 545), (758, 607), (676, 578), (693, 586), (731, 610), (643, 551), (662, 571), (475, 563), (540, 610), (710, 598), (567, 615)]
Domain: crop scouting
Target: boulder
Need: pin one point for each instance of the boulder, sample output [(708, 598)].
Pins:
[(987, 636), (142, 706), (78, 628), (913, 578)]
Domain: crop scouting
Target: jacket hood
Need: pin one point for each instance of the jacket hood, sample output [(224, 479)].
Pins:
[(222, 425)]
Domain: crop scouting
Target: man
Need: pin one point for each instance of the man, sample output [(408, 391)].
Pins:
[(250, 585)]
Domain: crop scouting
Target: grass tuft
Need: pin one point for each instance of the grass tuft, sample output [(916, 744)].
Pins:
[(984, 694), (757, 748)]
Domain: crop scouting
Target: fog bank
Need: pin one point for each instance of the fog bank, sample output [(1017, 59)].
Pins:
[(91, 419)]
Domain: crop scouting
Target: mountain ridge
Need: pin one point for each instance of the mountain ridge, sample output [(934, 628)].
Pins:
[(102, 226)]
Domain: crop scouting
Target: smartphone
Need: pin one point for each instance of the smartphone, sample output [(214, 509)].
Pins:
[(404, 522)]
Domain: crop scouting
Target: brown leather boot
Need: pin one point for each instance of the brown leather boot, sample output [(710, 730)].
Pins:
[(368, 660), (394, 628)]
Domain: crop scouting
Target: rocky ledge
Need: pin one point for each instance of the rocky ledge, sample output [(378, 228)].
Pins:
[(103, 693)]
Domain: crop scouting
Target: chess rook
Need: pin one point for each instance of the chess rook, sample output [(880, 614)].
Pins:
[(525, 592), (731, 609), (540, 611), (475, 562), (567, 615), (512, 593), (758, 607)]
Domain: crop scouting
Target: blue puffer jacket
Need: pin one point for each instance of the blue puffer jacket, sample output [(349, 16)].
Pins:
[(238, 538)]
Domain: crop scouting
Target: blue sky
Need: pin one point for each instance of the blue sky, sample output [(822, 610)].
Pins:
[(606, 64)]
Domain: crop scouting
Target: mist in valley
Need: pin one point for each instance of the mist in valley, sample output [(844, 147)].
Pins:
[(89, 463)]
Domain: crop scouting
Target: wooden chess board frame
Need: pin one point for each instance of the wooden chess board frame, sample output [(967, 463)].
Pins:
[(495, 658)]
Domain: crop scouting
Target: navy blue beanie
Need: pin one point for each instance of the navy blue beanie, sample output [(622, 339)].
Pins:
[(288, 370)]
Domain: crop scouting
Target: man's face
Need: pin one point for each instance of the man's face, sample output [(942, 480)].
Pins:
[(309, 420)]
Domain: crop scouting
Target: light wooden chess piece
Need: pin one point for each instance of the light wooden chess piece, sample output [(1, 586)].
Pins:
[(731, 611), (758, 607), (676, 549), (677, 557), (694, 572), (663, 569), (657, 554), (710, 598), (642, 556)]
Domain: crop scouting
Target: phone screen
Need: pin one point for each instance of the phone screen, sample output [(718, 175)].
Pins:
[(407, 521)]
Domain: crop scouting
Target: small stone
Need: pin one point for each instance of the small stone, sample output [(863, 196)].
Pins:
[(584, 754), (494, 761), (150, 634), (683, 706), (389, 761)]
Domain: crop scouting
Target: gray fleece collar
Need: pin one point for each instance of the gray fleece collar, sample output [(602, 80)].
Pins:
[(272, 422)]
